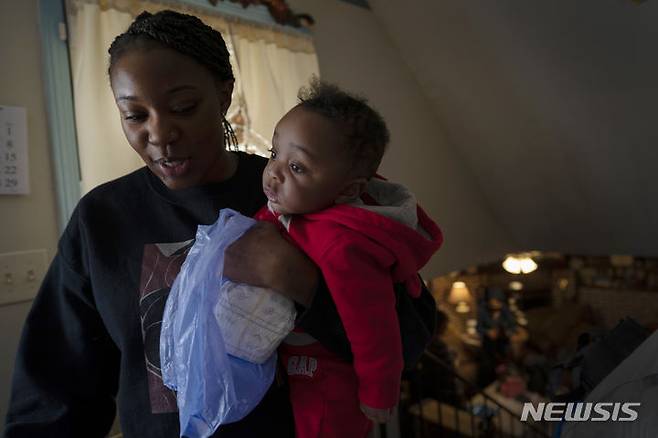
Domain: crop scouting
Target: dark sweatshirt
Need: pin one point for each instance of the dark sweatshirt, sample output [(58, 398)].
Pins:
[(94, 328)]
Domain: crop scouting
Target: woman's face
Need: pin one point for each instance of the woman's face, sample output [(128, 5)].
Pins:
[(171, 109)]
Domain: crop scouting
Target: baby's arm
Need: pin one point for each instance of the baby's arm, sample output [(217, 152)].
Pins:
[(357, 273)]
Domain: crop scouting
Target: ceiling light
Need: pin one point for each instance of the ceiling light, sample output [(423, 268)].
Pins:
[(519, 264)]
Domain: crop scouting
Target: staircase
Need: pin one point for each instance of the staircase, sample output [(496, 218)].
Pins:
[(480, 416)]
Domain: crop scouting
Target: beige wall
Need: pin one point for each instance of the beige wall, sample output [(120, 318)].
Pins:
[(28, 222), (611, 305), (356, 53)]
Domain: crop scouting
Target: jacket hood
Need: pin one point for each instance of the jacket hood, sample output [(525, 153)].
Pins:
[(389, 214)]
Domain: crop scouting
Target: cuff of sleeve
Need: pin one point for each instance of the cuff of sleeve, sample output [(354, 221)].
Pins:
[(379, 394)]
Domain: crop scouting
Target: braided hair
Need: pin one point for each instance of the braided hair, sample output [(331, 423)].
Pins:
[(364, 129), (185, 34)]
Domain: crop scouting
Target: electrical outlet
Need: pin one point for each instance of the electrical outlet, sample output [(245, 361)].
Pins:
[(21, 274)]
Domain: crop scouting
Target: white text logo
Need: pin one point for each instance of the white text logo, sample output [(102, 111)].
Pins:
[(302, 365), (582, 411)]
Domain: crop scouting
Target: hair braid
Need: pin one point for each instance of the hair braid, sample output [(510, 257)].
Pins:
[(229, 135), (184, 33)]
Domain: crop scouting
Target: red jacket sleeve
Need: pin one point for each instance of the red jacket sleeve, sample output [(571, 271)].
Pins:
[(357, 273)]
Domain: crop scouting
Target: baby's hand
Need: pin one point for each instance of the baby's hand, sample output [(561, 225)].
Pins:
[(377, 415)]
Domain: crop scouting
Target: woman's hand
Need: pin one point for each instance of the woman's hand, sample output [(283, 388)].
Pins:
[(262, 257)]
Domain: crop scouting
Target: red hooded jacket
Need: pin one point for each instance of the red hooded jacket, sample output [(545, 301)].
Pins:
[(362, 249)]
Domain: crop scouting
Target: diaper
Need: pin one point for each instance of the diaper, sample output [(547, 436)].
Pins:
[(253, 320)]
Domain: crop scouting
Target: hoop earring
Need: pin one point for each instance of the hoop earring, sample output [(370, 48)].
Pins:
[(230, 140)]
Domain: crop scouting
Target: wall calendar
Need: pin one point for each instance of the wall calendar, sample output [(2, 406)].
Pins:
[(14, 177)]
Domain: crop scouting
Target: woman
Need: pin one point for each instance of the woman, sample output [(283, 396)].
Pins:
[(93, 331)]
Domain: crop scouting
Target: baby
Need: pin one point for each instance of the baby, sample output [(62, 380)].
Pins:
[(365, 234)]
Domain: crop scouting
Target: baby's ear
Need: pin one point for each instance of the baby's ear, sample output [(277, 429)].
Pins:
[(352, 191)]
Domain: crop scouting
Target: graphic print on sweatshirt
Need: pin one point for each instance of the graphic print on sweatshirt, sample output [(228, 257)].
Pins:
[(161, 263)]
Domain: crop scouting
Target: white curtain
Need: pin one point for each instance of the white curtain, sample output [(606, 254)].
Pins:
[(270, 66), (271, 76)]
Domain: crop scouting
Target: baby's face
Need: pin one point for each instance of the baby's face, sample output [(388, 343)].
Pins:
[(308, 167)]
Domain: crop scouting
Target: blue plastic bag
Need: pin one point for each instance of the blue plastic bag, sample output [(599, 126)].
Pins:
[(212, 387)]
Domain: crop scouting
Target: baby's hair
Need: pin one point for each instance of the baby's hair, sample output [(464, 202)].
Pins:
[(183, 33), (364, 129)]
